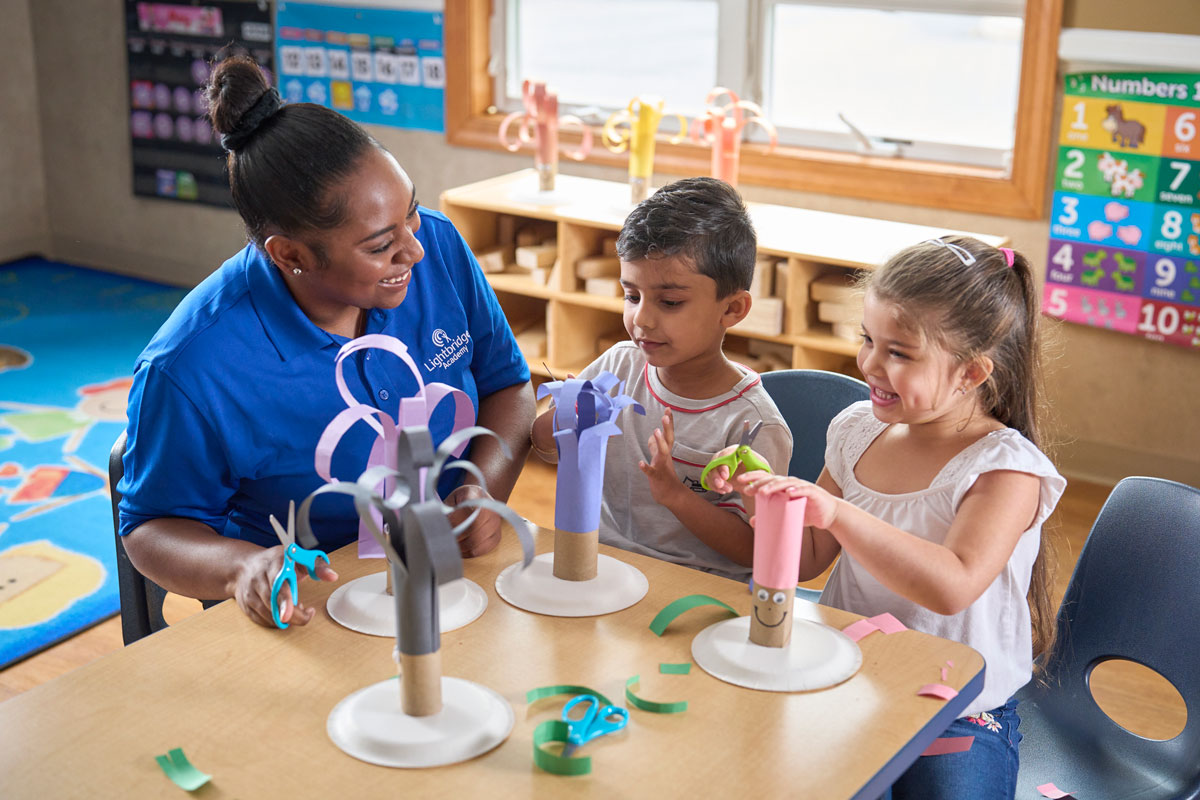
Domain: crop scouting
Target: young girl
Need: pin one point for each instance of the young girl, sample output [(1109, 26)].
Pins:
[(934, 491)]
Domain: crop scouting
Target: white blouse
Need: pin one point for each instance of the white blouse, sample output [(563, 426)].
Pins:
[(997, 624)]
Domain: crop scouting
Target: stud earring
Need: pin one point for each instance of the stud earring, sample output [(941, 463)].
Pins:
[(296, 270)]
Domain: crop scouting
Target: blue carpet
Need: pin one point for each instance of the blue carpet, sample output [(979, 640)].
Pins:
[(68, 340)]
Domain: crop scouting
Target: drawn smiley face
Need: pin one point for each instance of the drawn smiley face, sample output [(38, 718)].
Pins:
[(770, 606)]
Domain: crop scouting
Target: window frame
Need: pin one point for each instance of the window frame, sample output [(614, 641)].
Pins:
[(472, 120)]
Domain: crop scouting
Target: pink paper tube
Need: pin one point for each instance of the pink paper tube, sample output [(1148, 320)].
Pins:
[(778, 537), (726, 150)]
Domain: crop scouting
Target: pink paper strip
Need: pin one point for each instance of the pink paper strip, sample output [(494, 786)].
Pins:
[(778, 537), (887, 623), (1052, 791), (857, 630), (938, 690), (949, 744), (943, 674)]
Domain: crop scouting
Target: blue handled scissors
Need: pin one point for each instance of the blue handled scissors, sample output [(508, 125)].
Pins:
[(596, 721), (293, 554)]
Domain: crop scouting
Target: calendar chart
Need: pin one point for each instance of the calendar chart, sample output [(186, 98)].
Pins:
[(1125, 224), (375, 65)]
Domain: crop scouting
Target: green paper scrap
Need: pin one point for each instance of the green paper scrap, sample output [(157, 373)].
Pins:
[(555, 730), (673, 610), (177, 767), (563, 688), (675, 669), (651, 705)]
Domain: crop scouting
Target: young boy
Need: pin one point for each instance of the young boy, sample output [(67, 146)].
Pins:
[(687, 258)]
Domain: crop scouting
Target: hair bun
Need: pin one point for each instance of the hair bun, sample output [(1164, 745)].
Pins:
[(240, 99), (265, 107)]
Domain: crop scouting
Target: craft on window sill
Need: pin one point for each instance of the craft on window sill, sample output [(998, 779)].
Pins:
[(539, 125), (722, 126), (642, 116)]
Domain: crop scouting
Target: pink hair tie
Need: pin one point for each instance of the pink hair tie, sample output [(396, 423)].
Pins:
[(1008, 255)]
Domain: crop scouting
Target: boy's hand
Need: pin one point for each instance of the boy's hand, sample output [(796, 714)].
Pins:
[(484, 533), (664, 483), (822, 508)]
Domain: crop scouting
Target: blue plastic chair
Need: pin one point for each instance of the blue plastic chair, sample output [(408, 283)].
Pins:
[(809, 399), (1146, 536)]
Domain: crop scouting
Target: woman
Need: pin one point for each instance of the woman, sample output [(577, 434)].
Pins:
[(233, 392)]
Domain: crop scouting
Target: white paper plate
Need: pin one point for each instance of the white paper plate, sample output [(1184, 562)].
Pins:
[(362, 605), (817, 656), (371, 726), (617, 585)]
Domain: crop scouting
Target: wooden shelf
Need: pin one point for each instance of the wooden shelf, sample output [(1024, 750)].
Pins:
[(586, 211)]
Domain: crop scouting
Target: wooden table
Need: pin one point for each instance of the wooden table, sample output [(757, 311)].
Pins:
[(248, 705)]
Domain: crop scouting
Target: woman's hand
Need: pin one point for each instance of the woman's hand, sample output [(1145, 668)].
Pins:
[(253, 588), (664, 483), (822, 508), (483, 535)]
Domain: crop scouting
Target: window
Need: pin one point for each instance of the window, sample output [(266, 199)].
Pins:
[(926, 102)]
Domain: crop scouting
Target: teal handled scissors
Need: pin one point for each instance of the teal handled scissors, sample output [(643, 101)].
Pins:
[(293, 554), (597, 720), (741, 455)]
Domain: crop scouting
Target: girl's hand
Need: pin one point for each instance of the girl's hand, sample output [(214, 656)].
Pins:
[(822, 507), (664, 483), (253, 589), (483, 535)]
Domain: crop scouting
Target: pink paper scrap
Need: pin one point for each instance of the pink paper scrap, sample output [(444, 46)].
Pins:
[(887, 623), (949, 744), (1052, 791), (943, 674), (938, 690), (857, 630)]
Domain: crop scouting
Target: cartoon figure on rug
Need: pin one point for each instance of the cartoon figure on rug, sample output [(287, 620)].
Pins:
[(46, 487), (40, 580), (99, 402), (13, 358)]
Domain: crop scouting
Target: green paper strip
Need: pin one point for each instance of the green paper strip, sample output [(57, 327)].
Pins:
[(675, 669), (668, 614), (555, 730), (563, 688), (650, 705), (177, 767)]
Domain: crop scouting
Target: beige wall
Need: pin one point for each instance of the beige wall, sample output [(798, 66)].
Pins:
[(1155, 16), (1124, 406), (23, 225)]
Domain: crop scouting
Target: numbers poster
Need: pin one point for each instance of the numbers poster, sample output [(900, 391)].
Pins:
[(375, 65), (170, 49), (1125, 224)]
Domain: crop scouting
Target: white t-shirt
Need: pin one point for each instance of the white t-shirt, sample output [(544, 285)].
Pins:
[(997, 624), (630, 518)]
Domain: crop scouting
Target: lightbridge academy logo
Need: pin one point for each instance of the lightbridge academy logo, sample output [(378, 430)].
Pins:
[(450, 349)]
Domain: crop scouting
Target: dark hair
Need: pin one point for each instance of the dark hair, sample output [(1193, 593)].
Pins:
[(285, 161), (985, 308), (702, 219)]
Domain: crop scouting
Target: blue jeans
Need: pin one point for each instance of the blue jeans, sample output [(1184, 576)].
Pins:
[(988, 770)]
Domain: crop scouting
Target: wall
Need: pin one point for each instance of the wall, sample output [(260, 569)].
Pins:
[(1123, 406), (1155, 16), (23, 223)]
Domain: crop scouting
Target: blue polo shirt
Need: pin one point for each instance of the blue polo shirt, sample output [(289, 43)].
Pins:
[(231, 395)]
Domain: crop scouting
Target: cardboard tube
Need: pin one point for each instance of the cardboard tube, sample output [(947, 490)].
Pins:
[(770, 619), (388, 587), (639, 189), (421, 683), (575, 555)]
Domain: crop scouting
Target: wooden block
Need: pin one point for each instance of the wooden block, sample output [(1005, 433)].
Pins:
[(527, 236), (837, 287), (537, 255), (843, 313), (506, 229), (532, 342), (847, 330), (781, 279), (772, 350), (608, 246), (603, 287), (495, 259), (598, 267), (770, 362), (765, 317), (764, 278)]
